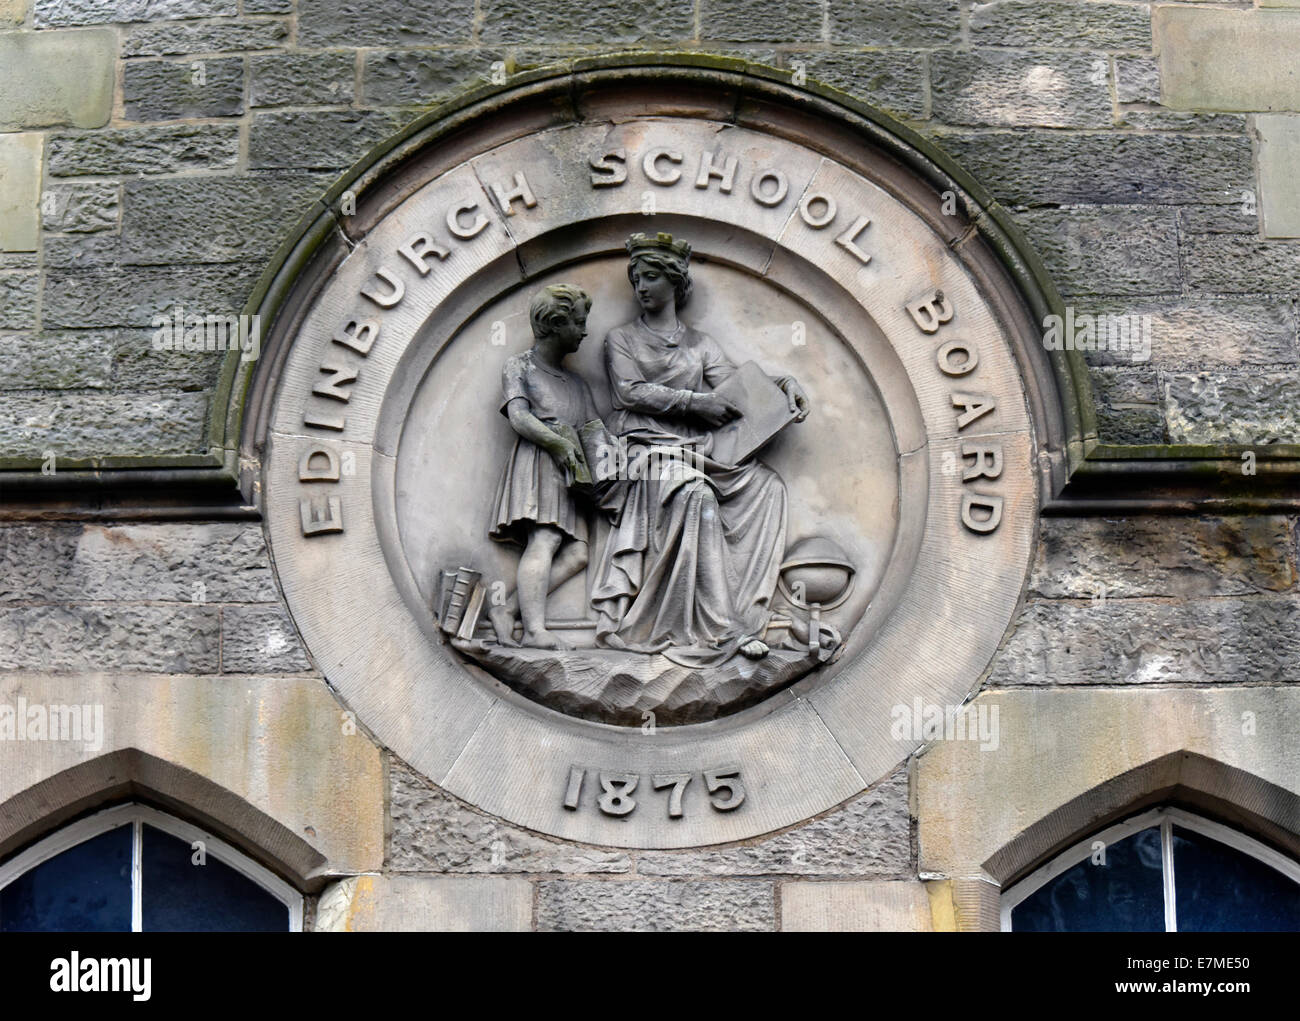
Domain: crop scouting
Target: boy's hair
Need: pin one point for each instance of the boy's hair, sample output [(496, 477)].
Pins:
[(554, 305)]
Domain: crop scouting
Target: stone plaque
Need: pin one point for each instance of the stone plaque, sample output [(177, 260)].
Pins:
[(635, 466)]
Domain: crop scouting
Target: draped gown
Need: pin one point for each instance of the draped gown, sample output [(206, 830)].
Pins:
[(691, 561)]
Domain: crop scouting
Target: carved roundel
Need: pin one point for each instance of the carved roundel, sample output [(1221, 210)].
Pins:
[(643, 451)]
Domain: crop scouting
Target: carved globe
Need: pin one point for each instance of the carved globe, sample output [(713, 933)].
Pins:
[(816, 570)]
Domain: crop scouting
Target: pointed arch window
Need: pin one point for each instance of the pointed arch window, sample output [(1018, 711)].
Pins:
[(135, 869), (1164, 870)]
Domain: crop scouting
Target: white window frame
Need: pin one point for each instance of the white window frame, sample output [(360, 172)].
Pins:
[(136, 816), (1165, 819)]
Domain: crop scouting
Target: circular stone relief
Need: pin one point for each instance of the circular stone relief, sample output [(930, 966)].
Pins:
[(631, 472)]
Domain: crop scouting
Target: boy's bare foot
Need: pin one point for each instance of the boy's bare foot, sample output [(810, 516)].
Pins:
[(543, 639), (754, 648), (503, 623)]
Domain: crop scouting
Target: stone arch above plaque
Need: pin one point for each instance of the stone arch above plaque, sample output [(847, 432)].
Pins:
[(643, 441)]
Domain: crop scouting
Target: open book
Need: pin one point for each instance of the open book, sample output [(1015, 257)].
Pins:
[(765, 412)]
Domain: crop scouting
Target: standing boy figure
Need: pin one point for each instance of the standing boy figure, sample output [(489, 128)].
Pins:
[(547, 406)]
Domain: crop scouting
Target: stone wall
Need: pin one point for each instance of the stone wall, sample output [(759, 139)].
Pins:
[(151, 163)]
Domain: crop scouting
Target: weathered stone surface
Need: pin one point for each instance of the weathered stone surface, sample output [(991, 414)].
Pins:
[(325, 140), (1137, 79), (1157, 119), (191, 563), (12, 12), (433, 832), (855, 907), (893, 81), (1061, 23), (18, 300), (81, 208), (161, 90), (1279, 184), (1186, 557), (427, 904), (324, 23), (1108, 250), (1241, 407), (869, 836), (140, 364), (213, 219), (54, 362), (226, 37), (100, 424), (1128, 405), (268, 6), (1194, 332), (134, 295), (302, 79), (20, 191), (1020, 89), (93, 12), (1138, 641), (786, 21), (163, 639), (1241, 265), (657, 906), (423, 77), (1213, 59), (1240, 217), (1038, 168), (260, 639), (160, 150), (903, 23), (573, 21), (56, 78)]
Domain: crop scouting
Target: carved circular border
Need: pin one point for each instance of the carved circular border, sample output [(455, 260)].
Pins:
[(807, 749)]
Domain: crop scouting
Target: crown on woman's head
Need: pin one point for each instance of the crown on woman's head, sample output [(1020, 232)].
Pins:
[(640, 244)]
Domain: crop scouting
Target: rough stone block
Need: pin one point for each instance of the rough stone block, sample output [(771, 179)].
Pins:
[(426, 904), (54, 362), (139, 363), (268, 6), (56, 78), (1249, 408), (81, 208), (95, 12), (260, 640), (1183, 557), (1137, 79), (655, 906), (1192, 332), (98, 424), (922, 24), (213, 219), (134, 295), (855, 907), (1021, 89), (1115, 168), (323, 23), (167, 40), (189, 563), (1240, 217), (1225, 264), (1279, 181), (892, 81), (870, 836), (1128, 406), (302, 79), (162, 150), (1214, 59), (434, 832), (162, 90), (581, 21), (1061, 23), (18, 293), (423, 77), (20, 191), (786, 21), (159, 639), (1180, 120), (1108, 250), (324, 140)]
